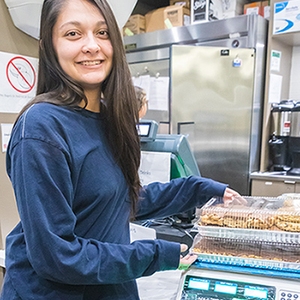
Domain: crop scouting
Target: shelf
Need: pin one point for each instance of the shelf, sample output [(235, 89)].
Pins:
[(155, 3), (144, 6), (276, 176), (292, 38)]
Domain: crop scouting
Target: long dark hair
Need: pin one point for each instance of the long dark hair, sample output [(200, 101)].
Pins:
[(120, 107)]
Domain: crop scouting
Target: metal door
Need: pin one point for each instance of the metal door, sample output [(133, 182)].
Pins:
[(212, 103)]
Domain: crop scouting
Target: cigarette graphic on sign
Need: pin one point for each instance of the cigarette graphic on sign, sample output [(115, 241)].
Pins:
[(21, 74)]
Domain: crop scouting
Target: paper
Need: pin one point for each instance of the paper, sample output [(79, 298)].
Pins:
[(157, 90), (159, 93), (138, 232), (155, 166), (275, 88), (18, 76), (144, 82), (275, 60), (2, 258), (5, 135)]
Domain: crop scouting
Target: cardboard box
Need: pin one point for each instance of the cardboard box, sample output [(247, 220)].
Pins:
[(216, 9), (233, 6), (265, 9), (255, 8), (286, 17), (135, 25), (267, 12), (199, 11), (167, 17), (206, 10), (185, 3), (230, 14), (252, 8)]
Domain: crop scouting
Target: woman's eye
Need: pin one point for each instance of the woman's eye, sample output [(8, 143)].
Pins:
[(71, 33), (104, 34)]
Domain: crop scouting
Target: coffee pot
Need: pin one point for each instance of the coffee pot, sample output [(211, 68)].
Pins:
[(294, 141), (280, 133)]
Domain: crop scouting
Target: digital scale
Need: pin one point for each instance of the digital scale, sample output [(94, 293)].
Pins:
[(243, 260), (200, 284)]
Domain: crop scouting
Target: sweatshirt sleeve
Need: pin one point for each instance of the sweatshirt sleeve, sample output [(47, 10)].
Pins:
[(42, 183), (178, 195)]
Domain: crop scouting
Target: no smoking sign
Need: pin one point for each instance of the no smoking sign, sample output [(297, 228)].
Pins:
[(21, 74)]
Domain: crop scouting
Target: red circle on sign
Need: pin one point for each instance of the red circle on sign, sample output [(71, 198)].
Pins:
[(23, 73)]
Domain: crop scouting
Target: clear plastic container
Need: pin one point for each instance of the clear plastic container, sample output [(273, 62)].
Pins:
[(250, 234), (263, 255), (258, 218)]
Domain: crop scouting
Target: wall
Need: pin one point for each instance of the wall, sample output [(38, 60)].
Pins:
[(295, 75), (12, 40)]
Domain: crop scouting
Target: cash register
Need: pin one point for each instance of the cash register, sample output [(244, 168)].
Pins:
[(173, 228), (183, 162)]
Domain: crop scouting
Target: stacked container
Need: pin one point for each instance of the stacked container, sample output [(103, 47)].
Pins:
[(255, 232)]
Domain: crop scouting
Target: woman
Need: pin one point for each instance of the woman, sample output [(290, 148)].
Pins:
[(73, 160)]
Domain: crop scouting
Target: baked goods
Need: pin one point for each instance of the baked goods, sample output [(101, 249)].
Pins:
[(291, 200), (262, 233), (219, 247), (288, 226), (288, 216), (281, 214), (215, 216)]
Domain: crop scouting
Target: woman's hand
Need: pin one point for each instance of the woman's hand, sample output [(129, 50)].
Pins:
[(187, 260), (231, 195)]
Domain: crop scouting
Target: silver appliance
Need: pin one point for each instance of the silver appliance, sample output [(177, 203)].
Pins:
[(294, 141), (280, 132), (216, 73)]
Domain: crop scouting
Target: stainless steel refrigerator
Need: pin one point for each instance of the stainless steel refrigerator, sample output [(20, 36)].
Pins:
[(216, 78)]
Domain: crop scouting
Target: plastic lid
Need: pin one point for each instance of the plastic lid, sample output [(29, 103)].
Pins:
[(256, 213)]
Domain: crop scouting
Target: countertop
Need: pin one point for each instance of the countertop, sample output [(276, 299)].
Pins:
[(280, 176)]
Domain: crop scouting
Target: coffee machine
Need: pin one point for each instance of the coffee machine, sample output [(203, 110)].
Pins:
[(280, 133), (294, 141)]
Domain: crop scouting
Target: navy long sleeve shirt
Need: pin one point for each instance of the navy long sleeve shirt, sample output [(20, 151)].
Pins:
[(73, 241)]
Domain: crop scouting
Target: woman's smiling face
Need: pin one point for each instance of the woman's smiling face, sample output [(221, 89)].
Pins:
[(82, 44)]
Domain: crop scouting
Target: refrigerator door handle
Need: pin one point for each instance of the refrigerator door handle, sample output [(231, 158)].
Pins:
[(179, 124)]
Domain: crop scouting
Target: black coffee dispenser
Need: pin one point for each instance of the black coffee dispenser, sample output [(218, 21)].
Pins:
[(294, 141), (280, 133)]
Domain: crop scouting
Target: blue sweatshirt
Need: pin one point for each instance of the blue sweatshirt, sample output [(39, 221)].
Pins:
[(73, 239)]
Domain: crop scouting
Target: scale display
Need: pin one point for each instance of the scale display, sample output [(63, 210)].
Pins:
[(197, 288)]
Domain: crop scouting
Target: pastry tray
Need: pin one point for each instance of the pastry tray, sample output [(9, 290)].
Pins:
[(258, 218), (262, 255), (250, 234)]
